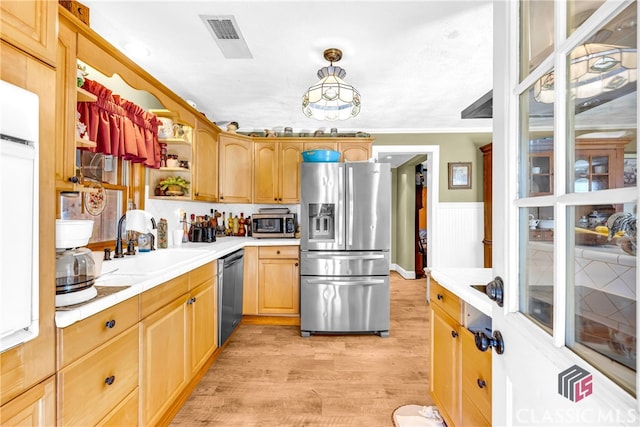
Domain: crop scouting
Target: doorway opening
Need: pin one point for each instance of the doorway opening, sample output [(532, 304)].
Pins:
[(403, 249)]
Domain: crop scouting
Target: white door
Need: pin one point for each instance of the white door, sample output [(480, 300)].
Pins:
[(565, 146)]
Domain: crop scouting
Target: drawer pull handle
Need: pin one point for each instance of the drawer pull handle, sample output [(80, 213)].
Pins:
[(482, 383), (278, 252), (110, 380), (110, 324), (440, 296), (454, 334)]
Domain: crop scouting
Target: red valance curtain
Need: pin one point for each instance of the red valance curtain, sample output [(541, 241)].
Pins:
[(120, 127)]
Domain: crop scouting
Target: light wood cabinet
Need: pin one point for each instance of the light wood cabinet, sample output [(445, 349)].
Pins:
[(235, 176), (205, 159), (31, 26), (351, 149), (250, 281), (34, 408), (355, 151), (178, 337), (278, 280), (460, 373), (163, 369), (277, 172), (445, 361), (24, 366), (92, 386), (475, 382)]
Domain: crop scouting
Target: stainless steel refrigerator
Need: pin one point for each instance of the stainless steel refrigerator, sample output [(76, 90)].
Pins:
[(345, 240)]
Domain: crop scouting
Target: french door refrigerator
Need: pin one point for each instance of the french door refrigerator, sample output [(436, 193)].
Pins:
[(345, 241)]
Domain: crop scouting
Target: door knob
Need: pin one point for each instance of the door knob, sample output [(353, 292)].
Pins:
[(495, 290), (484, 342)]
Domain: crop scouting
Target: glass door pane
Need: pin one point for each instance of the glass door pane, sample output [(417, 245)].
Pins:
[(536, 34)]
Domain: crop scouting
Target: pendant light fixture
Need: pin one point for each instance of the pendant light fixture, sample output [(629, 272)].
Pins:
[(593, 69), (331, 98)]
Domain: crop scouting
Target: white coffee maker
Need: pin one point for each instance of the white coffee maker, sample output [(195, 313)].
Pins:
[(75, 267)]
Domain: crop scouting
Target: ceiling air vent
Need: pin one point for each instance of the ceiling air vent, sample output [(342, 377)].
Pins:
[(226, 33)]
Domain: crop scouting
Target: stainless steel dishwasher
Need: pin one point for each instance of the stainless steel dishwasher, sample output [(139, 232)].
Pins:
[(230, 269)]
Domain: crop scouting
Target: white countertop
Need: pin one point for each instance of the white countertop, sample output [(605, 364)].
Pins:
[(459, 281), (145, 270)]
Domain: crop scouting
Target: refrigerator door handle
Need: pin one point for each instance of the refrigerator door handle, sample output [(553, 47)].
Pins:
[(341, 207), (348, 257), (368, 282), (350, 207)]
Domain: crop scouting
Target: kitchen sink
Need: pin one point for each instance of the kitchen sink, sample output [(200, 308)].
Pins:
[(147, 263)]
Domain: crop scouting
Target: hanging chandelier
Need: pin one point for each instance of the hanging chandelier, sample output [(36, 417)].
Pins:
[(593, 69), (331, 98)]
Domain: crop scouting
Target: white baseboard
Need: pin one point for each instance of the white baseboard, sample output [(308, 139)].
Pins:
[(409, 275)]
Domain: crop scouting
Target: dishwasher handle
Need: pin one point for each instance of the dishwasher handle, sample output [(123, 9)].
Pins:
[(233, 258)]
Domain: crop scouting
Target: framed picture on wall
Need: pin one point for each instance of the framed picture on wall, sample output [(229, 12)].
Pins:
[(459, 175)]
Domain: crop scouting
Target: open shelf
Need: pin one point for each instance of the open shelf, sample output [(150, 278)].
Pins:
[(85, 143), (85, 96)]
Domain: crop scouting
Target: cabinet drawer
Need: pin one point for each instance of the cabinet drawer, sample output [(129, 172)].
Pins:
[(202, 274), (476, 373), (156, 298), (279, 252), (91, 387), (81, 337), (125, 414), (445, 300), (471, 415)]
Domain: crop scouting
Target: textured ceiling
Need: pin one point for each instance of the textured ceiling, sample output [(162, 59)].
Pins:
[(417, 64)]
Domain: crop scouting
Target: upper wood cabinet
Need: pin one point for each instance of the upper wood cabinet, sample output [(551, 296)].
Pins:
[(205, 160), (277, 171), (351, 149), (235, 168), (355, 151), (31, 26)]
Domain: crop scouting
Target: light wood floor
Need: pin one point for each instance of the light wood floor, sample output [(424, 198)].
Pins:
[(271, 376)]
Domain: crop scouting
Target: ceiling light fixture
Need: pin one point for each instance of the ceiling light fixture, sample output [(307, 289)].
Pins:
[(594, 68), (331, 98)]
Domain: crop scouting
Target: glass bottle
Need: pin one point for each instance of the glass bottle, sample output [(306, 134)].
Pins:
[(193, 220), (242, 231)]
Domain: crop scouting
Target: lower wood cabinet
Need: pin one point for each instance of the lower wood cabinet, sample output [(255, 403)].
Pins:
[(94, 385), (164, 371), (98, 367), (278, 280), (177, 340), (271, 280), (35, 407), (460, 373)]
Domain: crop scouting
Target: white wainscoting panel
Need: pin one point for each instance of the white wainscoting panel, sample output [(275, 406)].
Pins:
[(460, 232)]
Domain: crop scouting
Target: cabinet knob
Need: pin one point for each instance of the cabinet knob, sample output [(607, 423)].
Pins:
[(454, 334), (74, 180), (495, 290), (221, 197), (482, 383), (484, 342), (110, 324), (197, 194), (296, 264), (278, 252), (440, 296), (110, 380)]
